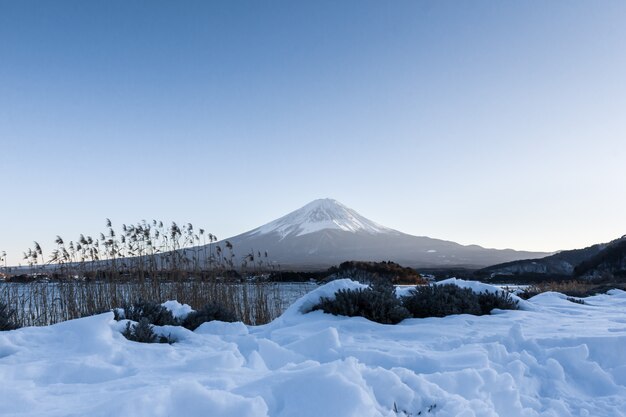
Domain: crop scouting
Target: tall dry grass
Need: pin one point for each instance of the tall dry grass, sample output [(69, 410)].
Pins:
[(142, 250), (41, 303), (573, 288), (147, 261)]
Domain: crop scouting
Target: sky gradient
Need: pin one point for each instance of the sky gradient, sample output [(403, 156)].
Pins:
[(496, 123)]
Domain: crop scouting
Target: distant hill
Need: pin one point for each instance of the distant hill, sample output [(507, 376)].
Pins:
[(371, 271), (611, 260), (324, 233), (365, 272), (600, 260)]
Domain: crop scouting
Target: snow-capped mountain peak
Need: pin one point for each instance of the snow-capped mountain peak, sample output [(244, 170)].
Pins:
[(325, 233), (320, 215)]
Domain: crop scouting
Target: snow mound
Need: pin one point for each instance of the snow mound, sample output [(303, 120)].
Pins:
[(178, 310), (561, 359), (307, 302), (222, 328), (472, 285)]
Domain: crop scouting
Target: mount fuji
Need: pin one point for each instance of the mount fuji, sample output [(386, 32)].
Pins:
[(324, 233)]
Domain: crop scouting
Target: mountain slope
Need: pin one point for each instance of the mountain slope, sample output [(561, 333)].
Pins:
[(325, 233), (611, 261), (591, 261)]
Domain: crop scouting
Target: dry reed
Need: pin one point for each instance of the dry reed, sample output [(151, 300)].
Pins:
[(147, 261), (41, 303)]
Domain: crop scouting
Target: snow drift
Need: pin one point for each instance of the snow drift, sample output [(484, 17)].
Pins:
[(557, 358)]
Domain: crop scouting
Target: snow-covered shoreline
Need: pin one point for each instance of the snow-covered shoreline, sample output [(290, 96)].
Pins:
[(554, 358)]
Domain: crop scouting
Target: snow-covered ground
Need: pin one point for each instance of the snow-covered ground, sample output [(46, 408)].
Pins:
[(554, 358)]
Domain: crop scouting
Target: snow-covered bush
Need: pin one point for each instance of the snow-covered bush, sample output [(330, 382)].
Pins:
[(441, 301), (154, 313), (171, 313), (448, 299), (376, 303), (380, 303), (143, 332), (501, 300), (7, 318), (209, 312)]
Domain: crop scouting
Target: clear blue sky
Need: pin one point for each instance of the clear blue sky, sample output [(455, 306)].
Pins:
[(488, 122)]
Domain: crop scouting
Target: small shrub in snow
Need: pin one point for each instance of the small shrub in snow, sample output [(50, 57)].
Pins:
[(528, 293), (575, 300), (441, 301), (445, 300), (209, 312), (7, 318), (376, 303), (501, 300), (143, 332), (155, 313)]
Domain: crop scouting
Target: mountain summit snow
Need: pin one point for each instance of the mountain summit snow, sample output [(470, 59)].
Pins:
[(319, 215), (324, 233)]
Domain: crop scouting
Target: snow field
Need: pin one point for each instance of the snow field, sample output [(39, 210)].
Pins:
[(554, 358)]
